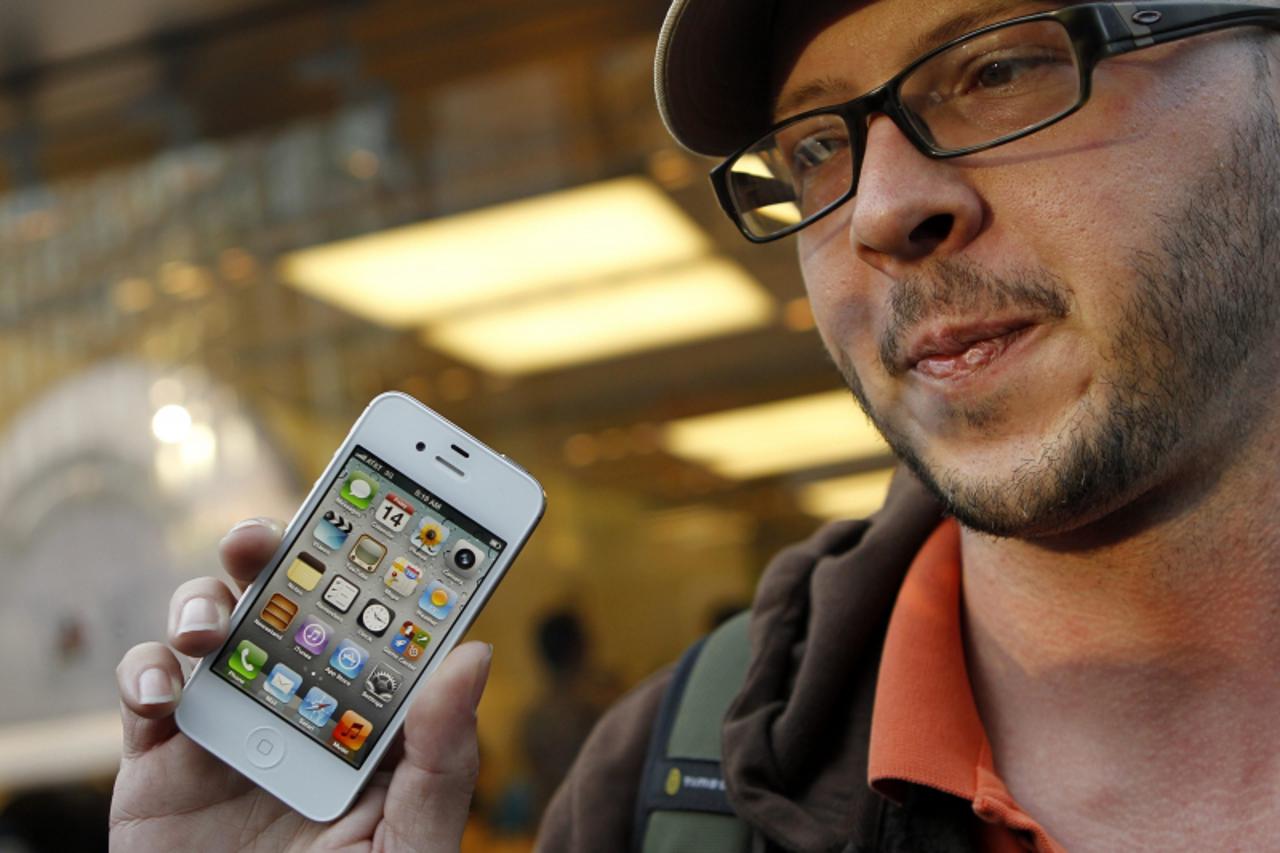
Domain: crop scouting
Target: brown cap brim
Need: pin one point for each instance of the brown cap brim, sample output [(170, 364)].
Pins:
[(711, 73)]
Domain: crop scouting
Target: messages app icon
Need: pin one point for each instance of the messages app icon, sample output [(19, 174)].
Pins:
[(358, 490)]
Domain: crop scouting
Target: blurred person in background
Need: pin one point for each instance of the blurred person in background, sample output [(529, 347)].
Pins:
[(1040, 245)]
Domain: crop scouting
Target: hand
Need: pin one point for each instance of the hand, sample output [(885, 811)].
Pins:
[(172, 795)]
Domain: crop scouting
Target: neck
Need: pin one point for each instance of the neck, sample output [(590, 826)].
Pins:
[(1141, 668)]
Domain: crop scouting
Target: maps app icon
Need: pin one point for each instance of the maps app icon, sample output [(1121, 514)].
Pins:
[(332, 530)]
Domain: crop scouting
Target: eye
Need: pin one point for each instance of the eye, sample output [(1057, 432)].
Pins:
[(1010, 72), (813, 151)]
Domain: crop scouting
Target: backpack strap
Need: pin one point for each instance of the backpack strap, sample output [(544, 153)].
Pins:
[(682, 804)]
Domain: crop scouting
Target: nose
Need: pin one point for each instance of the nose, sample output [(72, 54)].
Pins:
[(909, 207)]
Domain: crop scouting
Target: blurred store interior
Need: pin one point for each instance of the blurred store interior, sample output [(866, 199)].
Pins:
[(225, 225)]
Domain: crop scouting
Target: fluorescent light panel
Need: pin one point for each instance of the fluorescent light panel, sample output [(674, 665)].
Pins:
[(435, 272), (698, 300), (852, 496), (757, 441)]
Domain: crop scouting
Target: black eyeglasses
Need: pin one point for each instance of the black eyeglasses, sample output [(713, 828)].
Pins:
[(992, 86)]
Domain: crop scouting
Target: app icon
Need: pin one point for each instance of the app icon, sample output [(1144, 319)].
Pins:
[(306, 570), (402, 578), (410, 641), (352, 730), (368, 552), (348, 658), (332, 530), (394, 513), (437, 600), (358, 490), (247, 660), (279, 612), (383, 682), (464, 556), (313, 635), (340, 594), (283, 682), (429, 535), (317, 706), (375, 618)]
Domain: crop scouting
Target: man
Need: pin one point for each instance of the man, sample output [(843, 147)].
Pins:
[(1044, 258)]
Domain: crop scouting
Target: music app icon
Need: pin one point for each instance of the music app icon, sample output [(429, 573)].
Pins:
[(352, 730)]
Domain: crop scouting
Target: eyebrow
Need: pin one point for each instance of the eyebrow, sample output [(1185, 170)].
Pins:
[(827, 90)]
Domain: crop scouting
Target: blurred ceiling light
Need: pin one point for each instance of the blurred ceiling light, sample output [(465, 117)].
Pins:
[(171, 424), (852, 496), (644, 311), (441, 270), (756, 441), (132, 295)]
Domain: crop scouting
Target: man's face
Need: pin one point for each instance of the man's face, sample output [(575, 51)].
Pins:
[(1048, 330)]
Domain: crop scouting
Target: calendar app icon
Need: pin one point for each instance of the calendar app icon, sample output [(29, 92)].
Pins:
[(394, 513)]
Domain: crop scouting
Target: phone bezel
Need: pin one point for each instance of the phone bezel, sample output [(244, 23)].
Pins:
[(220, 717)]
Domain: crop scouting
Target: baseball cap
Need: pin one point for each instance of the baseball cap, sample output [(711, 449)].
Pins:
[(711, 72)]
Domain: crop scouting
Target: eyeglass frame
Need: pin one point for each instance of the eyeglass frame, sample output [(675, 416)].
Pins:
[(1097, 31)]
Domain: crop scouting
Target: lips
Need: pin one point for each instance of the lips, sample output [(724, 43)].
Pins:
[(952, 349)]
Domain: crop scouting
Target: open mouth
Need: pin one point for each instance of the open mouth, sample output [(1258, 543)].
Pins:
[(954, 356)]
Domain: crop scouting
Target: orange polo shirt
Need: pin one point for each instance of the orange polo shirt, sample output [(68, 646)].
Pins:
[(925, 727)]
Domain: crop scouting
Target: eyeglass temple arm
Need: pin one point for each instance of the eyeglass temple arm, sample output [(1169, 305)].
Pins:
[(1135, 25)]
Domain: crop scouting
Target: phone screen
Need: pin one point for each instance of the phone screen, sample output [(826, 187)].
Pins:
[(349, 621)]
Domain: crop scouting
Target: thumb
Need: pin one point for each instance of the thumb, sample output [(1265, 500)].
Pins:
[(430, 792)]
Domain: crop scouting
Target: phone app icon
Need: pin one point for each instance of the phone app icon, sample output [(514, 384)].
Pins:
[(402, 578), (410, 641), (317, 706), (352, 730), (306, 570), (332, 530), (368, 552), (429, 536), (283, 682), (349, 659), (437, 600), (340, 594), (383, 682), (247, 660), (279, 612), (313, 635), (358, 490), (394, 513)]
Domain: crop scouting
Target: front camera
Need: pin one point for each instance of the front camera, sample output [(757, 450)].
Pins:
[(421, 445)]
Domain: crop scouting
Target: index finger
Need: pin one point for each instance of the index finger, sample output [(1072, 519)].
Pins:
[(247, 547)]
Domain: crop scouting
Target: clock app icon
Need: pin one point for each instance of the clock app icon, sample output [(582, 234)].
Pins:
[(375, 618)]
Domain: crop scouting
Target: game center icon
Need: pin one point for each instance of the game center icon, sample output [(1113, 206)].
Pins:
[(410, 641)]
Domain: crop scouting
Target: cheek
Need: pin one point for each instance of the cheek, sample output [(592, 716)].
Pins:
[(846, 302)]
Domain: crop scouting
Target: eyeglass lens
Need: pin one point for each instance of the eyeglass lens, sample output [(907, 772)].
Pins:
[(977, 92)]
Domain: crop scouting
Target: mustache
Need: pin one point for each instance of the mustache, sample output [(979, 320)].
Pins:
[(958, 288)]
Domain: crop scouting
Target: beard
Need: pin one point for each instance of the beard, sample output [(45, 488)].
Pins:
[(1204, 301)]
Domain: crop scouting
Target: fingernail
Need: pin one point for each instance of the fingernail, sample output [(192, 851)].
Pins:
[(155, 687), (483, 677), (199, 614), (264, 523)]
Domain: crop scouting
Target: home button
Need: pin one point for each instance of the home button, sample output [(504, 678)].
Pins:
[(265, 747)]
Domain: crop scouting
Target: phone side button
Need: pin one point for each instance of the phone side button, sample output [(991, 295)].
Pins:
[(264, 747)]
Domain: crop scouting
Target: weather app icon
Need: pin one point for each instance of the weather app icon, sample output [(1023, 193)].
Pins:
[(333, 530)]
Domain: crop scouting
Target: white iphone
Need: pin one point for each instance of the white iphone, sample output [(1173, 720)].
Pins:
[(390, 558)]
